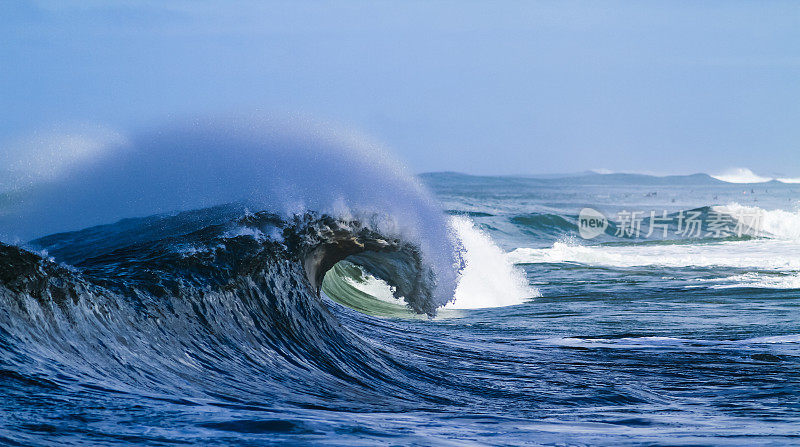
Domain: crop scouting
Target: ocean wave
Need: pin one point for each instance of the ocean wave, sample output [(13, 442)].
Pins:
[(769, 241), (778, 224), (237, 314), (288, 168), (599, 177), (744, 175), (488, 279), (740, 222), (546, 223), (222, 288), (221, 294), (754, 254)]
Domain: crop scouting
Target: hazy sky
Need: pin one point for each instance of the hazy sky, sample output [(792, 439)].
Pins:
[(479, 87)]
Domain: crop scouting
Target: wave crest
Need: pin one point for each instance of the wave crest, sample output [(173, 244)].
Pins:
[(288, 168), (744, 175)]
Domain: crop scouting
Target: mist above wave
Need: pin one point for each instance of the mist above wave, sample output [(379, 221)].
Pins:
[(286, 167), (274, 164)]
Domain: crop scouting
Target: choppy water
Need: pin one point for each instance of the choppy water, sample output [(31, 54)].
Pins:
[(207, 327)]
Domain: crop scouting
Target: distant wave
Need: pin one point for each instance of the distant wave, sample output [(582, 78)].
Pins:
[(767, 259), (744, 175), (607, 177), (736, 175), (750, 221), (755, 254)]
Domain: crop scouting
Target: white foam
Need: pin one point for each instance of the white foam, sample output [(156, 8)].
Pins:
[(246, 231), (376, 288), (744, 175), (759, 281), (778, 251), (741, 175), (489, 278), (754, 254), (775, 339), (778, 224)]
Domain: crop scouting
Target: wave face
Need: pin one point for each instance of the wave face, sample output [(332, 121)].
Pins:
[(223, 300), (347, 306), (218, 295), (209, 309), (768, 243), (744, 175)]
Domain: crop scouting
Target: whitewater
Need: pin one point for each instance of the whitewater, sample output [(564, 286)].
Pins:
[(262, 280)]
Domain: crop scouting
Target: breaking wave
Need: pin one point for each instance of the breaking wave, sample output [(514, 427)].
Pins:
[(744, 175), (220, 290), (765, 256)]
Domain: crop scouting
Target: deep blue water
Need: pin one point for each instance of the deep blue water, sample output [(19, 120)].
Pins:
[(174, 330)]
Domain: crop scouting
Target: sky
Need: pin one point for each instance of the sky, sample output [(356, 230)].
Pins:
[(493, 87)]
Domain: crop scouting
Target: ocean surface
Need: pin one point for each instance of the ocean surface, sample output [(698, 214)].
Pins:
[(490, 318)]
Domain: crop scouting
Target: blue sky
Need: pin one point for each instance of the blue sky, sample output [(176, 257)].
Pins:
[(479, 87)]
